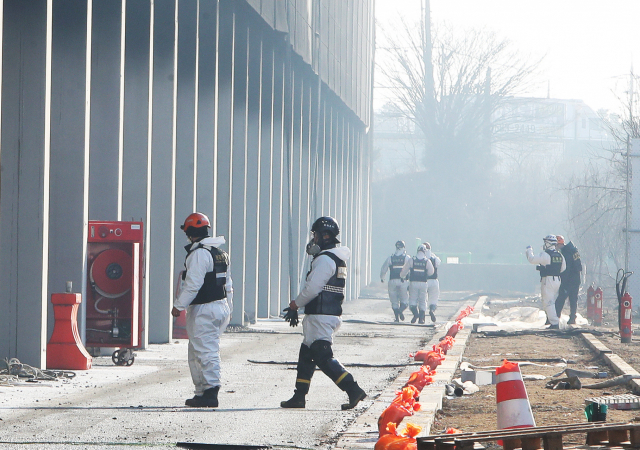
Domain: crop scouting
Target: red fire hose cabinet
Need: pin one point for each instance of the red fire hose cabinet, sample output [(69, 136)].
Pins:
[(114, 288)]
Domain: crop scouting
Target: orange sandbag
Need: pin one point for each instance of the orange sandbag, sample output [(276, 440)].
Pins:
[(465, 312), (455, 328), (452, 430), (420, 378), (402, 406), (445, 344), (408, 394), (419, 355), (433, 359), (392, 440)]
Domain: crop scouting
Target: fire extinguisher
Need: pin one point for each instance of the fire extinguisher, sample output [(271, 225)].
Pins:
[(597, 306), (590, 302), (624, 306)]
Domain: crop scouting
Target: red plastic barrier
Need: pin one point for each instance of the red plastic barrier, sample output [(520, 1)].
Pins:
[(597, 308), (180, 326), (65, 350), (591, 304)]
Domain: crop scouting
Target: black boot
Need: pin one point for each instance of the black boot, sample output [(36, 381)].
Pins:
[(421, 315), (397, 319), (305, 369), (298, 399), (209, 399), (432, 312), (414, 310), (355, 392), (403, 306), (572, 320)]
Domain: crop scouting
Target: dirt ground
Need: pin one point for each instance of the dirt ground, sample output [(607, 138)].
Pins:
[(477, 412)]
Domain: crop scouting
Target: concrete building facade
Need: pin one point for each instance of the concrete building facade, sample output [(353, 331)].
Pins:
[(254, 112)]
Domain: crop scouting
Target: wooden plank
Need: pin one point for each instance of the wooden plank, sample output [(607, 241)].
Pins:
[(552, 442)]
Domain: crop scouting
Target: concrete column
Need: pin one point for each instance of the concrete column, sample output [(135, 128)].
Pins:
[(186, 173), (237, 249), (226, 21), (255, 246), (279, 261), (162, 225), (266, 223), (205, 102), (105, 165), (70, 157), (24, 185), (295, 178), (136, 157), (305, 176), (281, 177)]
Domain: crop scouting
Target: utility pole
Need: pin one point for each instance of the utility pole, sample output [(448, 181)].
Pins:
[(428, 100), (628, 187)]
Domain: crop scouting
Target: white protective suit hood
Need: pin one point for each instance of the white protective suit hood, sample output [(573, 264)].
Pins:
[(421, 255), (428, 255), (344, 253), (216, 241), (400, 251)]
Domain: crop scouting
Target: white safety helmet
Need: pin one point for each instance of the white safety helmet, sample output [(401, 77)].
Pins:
[(422, 248), (550, 241)]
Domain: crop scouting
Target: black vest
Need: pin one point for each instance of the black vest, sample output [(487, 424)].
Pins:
[(215, 283), (419, 270), (397, 262), (435, 270), (572, 258), (329, 300), (553, 269)]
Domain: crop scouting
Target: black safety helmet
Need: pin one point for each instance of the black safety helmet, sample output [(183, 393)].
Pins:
[(326, 225), (400, 244)]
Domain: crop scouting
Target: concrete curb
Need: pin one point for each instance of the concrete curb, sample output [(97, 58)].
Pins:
[(363, 433), (617, 364)]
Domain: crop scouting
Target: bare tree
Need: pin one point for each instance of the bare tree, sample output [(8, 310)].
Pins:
[(598, 197), (472, 73)]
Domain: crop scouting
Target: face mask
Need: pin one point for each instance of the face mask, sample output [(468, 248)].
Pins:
[(312, 248)]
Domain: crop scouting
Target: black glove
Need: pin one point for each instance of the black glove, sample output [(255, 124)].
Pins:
[(291, 316)]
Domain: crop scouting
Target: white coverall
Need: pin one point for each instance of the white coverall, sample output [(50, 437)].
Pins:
[(549, 286), (320, 326), (397, 288), (205, 323), (417, 289), (433, 285)]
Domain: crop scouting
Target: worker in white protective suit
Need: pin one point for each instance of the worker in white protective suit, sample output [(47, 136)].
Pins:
[(206, 292), (397, 287), (419, 268), (322, 297), (550, 263), (433, 285)]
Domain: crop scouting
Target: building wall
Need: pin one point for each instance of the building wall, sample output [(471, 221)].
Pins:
[(150, 110)]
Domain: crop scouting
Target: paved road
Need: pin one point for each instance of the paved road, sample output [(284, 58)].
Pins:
[(142, 405)]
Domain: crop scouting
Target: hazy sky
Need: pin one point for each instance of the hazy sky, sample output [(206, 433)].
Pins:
[(590, 45)]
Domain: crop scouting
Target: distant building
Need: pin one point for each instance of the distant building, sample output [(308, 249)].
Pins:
[(525, 130)]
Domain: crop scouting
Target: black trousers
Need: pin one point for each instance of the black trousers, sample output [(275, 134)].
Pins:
[(568, 289)]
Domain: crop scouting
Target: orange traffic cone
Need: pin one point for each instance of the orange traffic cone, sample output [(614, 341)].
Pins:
[(514, 410)]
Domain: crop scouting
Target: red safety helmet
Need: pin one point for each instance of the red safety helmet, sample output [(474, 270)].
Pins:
[(195, 220)]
